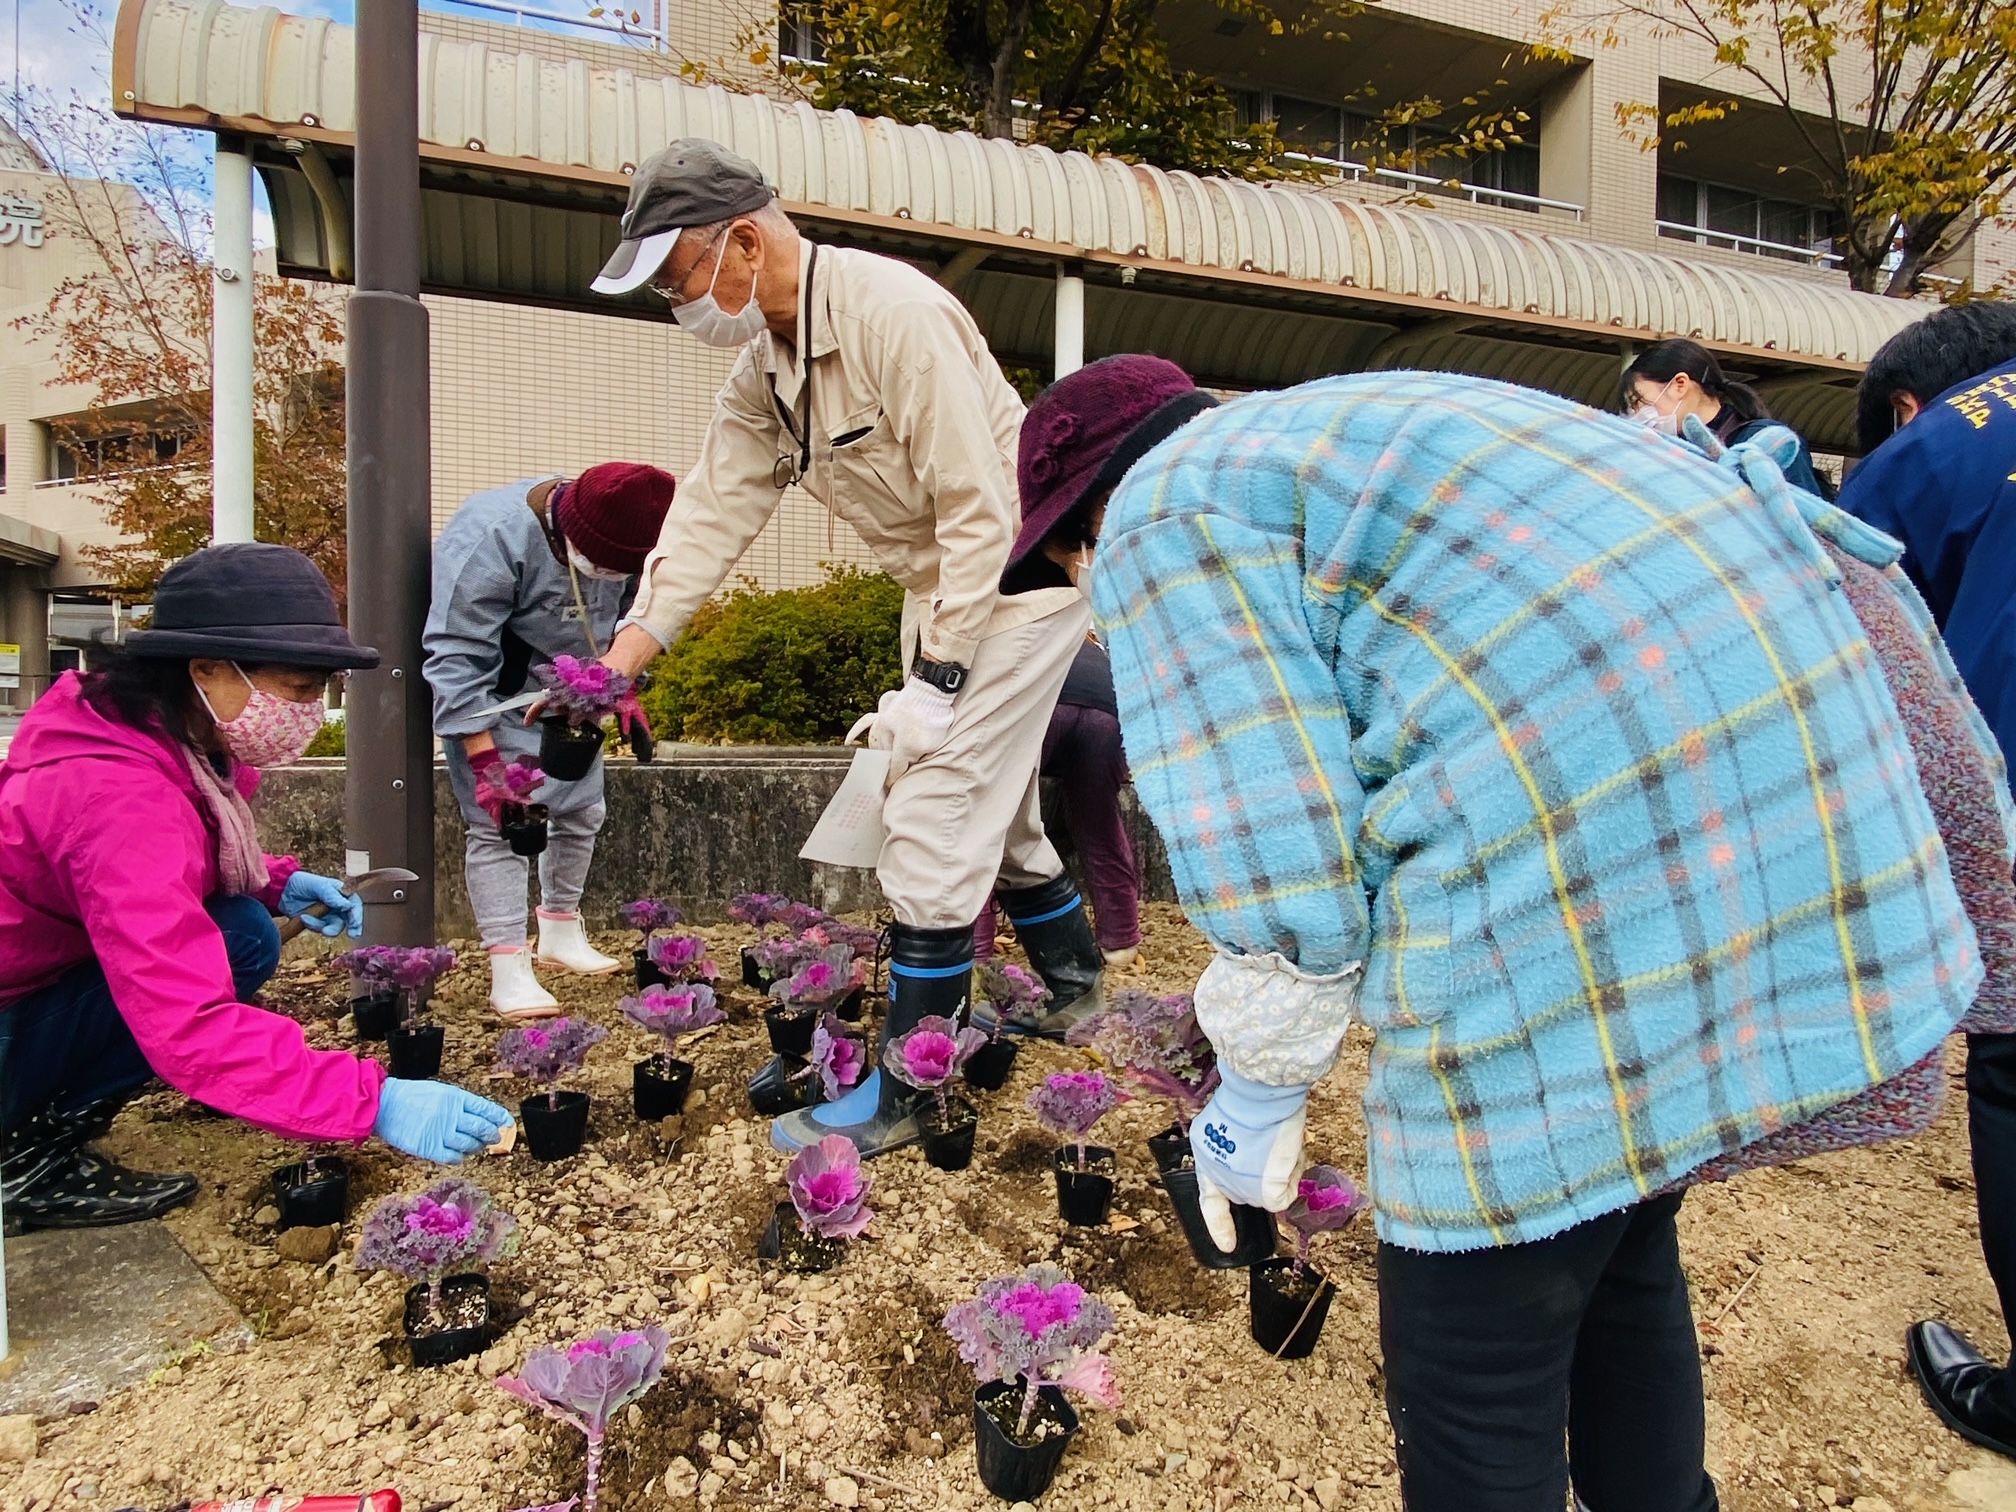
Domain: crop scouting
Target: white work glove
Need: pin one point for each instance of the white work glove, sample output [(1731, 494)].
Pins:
[(1248, 1146), (910, 723)]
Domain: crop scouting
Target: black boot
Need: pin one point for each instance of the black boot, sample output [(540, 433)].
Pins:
[(1050, 921), (1958, 1385), (49, 1179), (930, 973)]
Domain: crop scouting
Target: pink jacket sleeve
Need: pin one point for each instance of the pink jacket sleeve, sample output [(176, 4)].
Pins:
[(165, 961)]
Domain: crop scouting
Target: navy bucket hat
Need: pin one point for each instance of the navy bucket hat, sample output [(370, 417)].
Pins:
[(251, 602)]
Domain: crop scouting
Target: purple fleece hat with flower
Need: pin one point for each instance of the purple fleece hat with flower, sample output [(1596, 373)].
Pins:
[(1086, 429)]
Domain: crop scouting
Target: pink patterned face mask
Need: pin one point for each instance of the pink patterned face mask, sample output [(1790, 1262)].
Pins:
[(271, 730)]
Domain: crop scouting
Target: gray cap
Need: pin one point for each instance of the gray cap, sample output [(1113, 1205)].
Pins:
[(694, 182)]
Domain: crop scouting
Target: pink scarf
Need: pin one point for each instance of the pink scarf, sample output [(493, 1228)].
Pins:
[(241, 864)]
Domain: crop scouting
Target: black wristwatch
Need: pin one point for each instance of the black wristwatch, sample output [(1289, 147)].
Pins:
[(946, 677)]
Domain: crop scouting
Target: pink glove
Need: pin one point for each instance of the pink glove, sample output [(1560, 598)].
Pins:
[(490, 797), (632, 720)]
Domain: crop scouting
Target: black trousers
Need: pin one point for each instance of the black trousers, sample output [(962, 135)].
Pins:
[(1991, 1130), (1510, 1370)]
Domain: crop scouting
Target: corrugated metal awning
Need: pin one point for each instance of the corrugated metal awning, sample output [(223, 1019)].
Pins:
[(526, 162)]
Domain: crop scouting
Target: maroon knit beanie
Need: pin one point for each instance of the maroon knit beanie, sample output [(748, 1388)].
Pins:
[(612, 513), (1086, 429)]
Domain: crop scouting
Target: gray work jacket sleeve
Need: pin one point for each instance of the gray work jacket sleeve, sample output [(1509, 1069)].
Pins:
[(475, 590)]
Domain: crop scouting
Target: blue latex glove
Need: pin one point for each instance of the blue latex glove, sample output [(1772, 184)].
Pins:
[(1248, 1145), (304, 890), (436, 1121)]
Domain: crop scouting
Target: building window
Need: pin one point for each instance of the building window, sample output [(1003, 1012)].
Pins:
[(86, 457), (1409, 154), (1722, 215), (798, 35)]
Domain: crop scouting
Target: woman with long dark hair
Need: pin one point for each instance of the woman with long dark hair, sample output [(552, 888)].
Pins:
[(1671, 380), (137, 909)]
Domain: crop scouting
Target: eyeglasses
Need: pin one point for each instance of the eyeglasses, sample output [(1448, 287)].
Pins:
[(669, 287)]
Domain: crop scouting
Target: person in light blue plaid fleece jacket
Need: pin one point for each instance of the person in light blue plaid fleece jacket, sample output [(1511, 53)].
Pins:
[(1546, 749)]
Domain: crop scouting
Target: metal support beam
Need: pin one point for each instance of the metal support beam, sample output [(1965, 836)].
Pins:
[(1070, 343), (231, 345), (388, 797)]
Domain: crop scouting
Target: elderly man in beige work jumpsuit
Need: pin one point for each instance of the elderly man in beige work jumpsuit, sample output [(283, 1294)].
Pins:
[(868, 383)]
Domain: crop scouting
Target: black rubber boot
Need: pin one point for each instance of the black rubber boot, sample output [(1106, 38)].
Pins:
[(930, 973), (49, 1179), (1050, 921)]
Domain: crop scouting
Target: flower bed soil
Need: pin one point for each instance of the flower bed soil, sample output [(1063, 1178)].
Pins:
[(1804, 1280)]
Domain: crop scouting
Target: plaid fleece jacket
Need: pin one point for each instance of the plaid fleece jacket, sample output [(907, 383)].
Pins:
[(1560, 730)]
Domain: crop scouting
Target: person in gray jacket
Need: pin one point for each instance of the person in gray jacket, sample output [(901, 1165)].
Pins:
[(540, 568)]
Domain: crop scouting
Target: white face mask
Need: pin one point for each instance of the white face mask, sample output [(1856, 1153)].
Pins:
[(706, 322), (1082, 578), (588, 569), (1649, 415)]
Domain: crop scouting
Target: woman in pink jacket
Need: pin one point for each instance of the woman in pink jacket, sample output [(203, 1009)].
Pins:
[(137, 910)]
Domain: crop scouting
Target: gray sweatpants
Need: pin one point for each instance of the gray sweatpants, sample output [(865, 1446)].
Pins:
[(497, 878)]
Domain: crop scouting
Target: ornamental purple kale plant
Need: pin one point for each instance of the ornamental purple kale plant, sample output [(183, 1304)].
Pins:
[(1156, 1045), (648, 915), (838, 1057), (864, 942), (371, 965), (680, 958), (417, 969), (829, 1189), (1015, 993), (1039, 1329), (446, 1229), (671, 1012), (1070, 1102), (759, 910), (546, 1052), (588, 1383), (1325, 1200), (513, 781), (820, 982), (582, 692), (929, 1056)]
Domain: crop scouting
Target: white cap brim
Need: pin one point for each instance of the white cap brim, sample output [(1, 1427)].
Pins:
[(634, 262)]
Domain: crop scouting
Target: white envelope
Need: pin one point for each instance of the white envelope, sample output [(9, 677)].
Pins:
[(850, 832)]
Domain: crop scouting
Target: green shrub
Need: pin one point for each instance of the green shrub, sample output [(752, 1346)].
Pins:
[(796, 667), (328, 740)]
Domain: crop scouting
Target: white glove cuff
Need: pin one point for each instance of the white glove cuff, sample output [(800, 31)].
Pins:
[(1272, 1022)]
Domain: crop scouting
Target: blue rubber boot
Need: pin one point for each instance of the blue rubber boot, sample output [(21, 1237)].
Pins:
[(930, 972)]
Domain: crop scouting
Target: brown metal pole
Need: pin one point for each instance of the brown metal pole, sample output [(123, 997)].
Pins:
[(388, 800)]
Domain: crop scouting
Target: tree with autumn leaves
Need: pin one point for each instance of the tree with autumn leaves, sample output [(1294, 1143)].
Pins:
[(132, 333), (1906, 109)]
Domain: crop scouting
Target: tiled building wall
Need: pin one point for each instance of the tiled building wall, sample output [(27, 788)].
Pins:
[(520, 391)]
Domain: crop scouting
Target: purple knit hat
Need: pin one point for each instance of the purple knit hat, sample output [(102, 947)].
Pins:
[(1086, 429)]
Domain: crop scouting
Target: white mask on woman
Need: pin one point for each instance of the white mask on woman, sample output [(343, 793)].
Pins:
[(588, 569), (1649, 415)]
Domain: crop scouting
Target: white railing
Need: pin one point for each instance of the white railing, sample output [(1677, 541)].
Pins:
[(1818, 256), (1475, 193), (620, 23)]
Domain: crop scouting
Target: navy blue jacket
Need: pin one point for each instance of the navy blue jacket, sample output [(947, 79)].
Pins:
[(1945, 485)]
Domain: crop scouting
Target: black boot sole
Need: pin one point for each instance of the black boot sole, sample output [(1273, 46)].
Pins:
[(105, 1215), (1921, 1372)]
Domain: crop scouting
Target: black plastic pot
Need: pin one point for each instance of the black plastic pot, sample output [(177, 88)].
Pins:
[(753, 976), (377, 1013), (553, 1132), (312, 1193), (648, 974), (848, 1009), (523, 826), (1287, 1320), (786, 1242), (567, 752), (777, 1087), (1084, 1198), (1254, 1227), (992, 1063), (1020, 1472), (949, 1147), (416, 1051), (444, 1346), (1170, 1149), (658, 1087), (791, 1030)]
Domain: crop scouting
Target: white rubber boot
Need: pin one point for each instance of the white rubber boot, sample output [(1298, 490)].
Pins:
[(515, 992), (563, 943), (1121, 960)]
